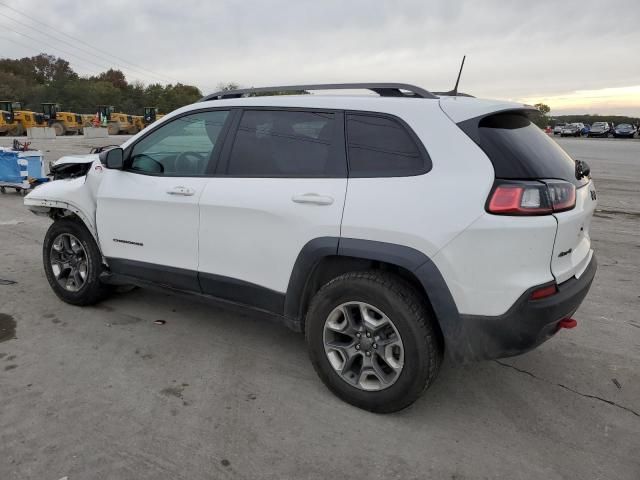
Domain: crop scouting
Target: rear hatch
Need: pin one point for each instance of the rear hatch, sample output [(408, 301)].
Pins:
[(520, 151), (572, 248)]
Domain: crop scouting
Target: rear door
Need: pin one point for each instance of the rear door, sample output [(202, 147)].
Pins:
[(148, 214), (281, 183)]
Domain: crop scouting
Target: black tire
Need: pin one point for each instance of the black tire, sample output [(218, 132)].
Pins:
[(17, 130), (410, 315), (92, 291), (59, 129)]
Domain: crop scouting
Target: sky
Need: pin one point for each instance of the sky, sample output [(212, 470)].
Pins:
[(576, 56)]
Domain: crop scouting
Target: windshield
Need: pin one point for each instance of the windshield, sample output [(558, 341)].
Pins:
[(598, 124), (624, 125)]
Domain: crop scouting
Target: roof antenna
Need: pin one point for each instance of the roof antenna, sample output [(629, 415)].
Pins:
[(454, 92)]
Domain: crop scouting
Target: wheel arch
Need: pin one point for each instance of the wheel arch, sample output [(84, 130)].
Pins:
[(325, 258), (57, 210)]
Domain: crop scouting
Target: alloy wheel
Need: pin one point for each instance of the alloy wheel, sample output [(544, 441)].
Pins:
[(68, 260), (363, 346)]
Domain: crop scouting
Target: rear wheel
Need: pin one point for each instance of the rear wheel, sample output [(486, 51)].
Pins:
[(59, 128), (17, 130), (113, 128), (373, 341), (73, 263)]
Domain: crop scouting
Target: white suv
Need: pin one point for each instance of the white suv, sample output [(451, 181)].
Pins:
[(390, 229)]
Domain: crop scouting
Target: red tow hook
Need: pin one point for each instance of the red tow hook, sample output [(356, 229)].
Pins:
[(567, 323)]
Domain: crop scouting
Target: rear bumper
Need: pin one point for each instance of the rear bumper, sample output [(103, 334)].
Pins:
[(527, 324)]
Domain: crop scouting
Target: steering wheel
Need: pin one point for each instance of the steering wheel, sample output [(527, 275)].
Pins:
[(146, 163), (189, 162)]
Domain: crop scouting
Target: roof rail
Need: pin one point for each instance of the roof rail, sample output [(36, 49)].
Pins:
[(382, 89)]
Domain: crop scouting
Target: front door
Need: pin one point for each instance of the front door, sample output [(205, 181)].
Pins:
[(148, 214)]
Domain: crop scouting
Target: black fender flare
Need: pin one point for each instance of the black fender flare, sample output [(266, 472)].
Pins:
[(416, 262)]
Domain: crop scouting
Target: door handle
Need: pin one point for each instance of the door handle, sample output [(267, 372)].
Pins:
[(180, 190), (313, 198)]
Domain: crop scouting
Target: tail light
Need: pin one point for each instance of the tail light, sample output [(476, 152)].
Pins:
[(510, 197)]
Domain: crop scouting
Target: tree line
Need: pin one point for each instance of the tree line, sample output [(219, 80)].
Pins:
[(45, 78)]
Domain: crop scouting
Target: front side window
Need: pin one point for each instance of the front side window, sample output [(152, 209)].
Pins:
[(279, 143), (182, 147), (381, 147)]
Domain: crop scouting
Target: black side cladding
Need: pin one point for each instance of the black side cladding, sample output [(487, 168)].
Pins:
[(518, 149)]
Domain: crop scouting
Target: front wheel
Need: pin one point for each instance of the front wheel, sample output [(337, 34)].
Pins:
[(73, 263), (58, 128), (372, 340)]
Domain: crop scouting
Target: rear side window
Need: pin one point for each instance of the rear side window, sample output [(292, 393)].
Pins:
[(383, 147), (518, 149), (279, 143)]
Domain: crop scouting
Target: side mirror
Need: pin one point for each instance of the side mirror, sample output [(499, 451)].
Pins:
[(113, 159)]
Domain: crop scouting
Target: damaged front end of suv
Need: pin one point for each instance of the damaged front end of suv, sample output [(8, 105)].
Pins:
[(72, 192)]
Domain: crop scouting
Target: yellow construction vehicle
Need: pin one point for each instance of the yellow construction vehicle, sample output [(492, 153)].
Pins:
[(27, 118), (117, 123), (138, 121), (64, 123), (15, 120), (151, 115), (8, 124), (88, 120)]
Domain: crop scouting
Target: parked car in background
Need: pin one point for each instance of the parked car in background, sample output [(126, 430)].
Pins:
[(586, 128), (557, 130), (624, 130), (572, 130), (599, 129)]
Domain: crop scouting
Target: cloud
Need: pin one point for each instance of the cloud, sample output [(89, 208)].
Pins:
[(514, 50), (625, 101)]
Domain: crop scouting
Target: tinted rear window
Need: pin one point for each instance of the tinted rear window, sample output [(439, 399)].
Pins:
[(518, 149), (382, 147)]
